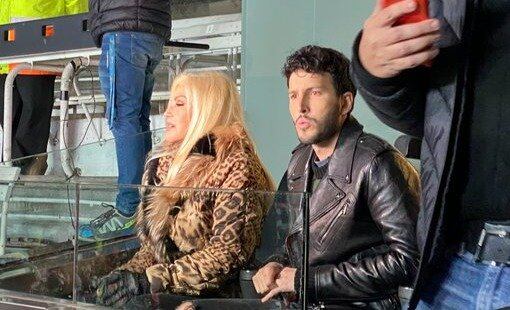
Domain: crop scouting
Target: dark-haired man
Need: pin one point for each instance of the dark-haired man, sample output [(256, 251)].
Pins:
[(364, 195)]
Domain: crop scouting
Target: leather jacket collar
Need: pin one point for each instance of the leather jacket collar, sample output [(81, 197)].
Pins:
[(339, 171), (340, 166)]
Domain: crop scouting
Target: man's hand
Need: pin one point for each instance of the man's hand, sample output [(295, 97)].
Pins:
[(386, 50), (265, 279), (284, 283)]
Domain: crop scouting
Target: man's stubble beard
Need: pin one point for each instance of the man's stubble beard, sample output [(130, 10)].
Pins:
[(326, 130)]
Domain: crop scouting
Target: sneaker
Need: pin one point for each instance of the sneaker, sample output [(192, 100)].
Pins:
[(108, 225)]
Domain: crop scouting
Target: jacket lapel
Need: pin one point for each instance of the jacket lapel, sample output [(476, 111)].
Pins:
[(340, 164), (299, 175), (325, 198), (329, 191)]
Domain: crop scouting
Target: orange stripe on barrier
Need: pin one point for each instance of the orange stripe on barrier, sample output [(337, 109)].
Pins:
[(33, 72)]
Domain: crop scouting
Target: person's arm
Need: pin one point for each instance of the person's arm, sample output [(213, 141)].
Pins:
[(392, 193), (5, 10), (5, 19), (237, 217), (388, 69), (125, 282), (142, 260), (76, 6), (399, 101)]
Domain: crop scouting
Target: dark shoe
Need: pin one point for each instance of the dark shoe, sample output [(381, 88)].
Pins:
[(35, 166)]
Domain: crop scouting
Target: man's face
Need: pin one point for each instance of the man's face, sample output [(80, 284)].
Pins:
[(314, 106)]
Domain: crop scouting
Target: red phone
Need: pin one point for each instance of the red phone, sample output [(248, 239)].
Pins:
[(420, 14)]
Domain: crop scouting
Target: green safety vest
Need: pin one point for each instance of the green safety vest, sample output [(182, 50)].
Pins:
[(12, 11)]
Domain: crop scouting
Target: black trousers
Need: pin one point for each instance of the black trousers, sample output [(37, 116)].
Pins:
[(33, 98)]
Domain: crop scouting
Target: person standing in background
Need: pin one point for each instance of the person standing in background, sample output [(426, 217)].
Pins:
[(33, 94), (445, 80), (131, 34)]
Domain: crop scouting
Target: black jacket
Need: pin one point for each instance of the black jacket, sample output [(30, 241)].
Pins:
[(429, 103), (152, 16), (362, 221)]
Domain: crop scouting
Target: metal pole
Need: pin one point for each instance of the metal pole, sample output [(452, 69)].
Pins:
[(306, 230), (76, 233), (8, 90), (7, 130), (65, 86), (178, 64), (234, 63), (3, 226), (12, 177), (230, 62), (3, 222)]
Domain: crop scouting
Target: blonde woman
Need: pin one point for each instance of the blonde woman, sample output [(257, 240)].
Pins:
[(194, 242)]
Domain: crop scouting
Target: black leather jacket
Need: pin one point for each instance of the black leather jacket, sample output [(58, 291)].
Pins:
[(152, 16), (362, 221)]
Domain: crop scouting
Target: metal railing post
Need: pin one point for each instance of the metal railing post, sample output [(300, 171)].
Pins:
[(9, 175), (306, 230), (65, 86), (8, 93), (76, 245)]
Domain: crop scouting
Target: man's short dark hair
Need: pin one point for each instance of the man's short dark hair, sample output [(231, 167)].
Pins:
[(317, 59)]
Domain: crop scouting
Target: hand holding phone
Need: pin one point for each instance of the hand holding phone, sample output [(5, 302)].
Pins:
[(398, 36), (420, 14)]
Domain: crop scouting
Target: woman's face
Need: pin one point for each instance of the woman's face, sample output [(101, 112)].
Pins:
[(177, 116)]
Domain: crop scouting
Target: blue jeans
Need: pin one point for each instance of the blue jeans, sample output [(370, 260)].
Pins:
[(126, 72), (464, 284)]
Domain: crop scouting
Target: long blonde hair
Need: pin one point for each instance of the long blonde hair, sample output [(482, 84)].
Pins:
[(214, 101)]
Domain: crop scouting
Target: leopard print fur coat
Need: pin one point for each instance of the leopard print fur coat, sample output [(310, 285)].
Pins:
[(196, 241)]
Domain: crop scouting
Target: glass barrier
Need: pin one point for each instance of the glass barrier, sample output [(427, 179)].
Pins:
[(95, 160), (22, 301), (36, 230), (204, 240)]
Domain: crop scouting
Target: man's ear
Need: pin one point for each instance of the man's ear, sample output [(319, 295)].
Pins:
[(347, 103)]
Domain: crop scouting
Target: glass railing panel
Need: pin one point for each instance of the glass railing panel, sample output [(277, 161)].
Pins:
[(253, 225), (45, 260), (99, 256), (18, 300), (96, 160), (38, 230)]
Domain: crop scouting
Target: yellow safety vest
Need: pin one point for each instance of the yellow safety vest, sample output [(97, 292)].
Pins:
[(4, 19)]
